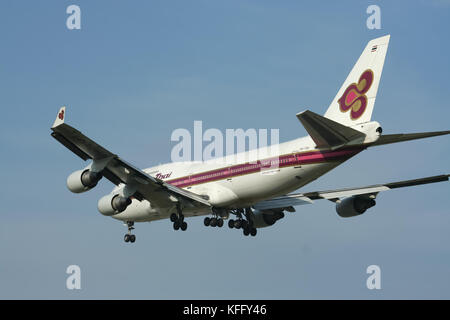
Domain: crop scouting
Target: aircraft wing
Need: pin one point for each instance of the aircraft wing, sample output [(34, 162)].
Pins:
[(334, 195), (119, 171)]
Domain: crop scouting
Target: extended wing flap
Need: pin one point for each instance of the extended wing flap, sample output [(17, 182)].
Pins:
[(305, 198), (283, 202), (148, 185), (342, 193)]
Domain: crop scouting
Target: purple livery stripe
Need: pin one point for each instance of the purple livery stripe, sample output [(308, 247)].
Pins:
[(248, 168), (276, 162)]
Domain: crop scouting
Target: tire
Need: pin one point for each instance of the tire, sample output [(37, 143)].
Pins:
[(213, 222), (173, 217), (231, 223), (253, 232), (220, 223), (176, 225), (183, 226), (246, 231), (132, 238), (207, 221), (237, 224), (126, 238)]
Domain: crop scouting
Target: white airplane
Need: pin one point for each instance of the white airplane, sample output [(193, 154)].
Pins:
[(256, 192)]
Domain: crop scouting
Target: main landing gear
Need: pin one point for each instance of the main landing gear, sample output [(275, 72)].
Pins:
[(178, 220), (213, 222), (217, 219), (130, 237), (245, 224)]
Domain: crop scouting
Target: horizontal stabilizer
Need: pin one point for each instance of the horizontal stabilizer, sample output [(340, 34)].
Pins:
[(393, 138), (327, 133)]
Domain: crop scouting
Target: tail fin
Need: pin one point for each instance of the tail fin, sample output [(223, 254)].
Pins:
[(355, 100)]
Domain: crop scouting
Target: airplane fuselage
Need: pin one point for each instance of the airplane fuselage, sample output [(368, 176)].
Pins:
[(241, 180)]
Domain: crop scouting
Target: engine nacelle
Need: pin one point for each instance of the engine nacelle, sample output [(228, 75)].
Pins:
[(354, 206), (83, 180), (112, 204), (266, 218)]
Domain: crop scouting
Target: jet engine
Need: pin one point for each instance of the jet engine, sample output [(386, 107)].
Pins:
[(266, 218), (83, 180), (354, 206), (112, 204)]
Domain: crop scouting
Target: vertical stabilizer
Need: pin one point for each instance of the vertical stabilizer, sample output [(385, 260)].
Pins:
[(355, 100)]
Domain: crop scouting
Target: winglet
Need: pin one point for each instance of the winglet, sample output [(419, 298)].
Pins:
[(60, 117)]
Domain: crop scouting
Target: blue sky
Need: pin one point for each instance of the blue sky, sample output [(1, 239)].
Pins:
[(135, 72)]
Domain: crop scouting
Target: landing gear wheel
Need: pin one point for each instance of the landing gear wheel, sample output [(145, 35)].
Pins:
[(253, 232), (237, 224), (183, 226), (231, 223), (207, 221), (176, 225), (220, 223), (213, 222), (173, 217), (129, 237), (246, 231)]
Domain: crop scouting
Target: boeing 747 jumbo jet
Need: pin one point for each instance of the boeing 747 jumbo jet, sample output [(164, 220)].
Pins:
[(256, 193)]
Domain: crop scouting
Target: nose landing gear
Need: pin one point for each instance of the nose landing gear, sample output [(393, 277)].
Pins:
[(129, 237)]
